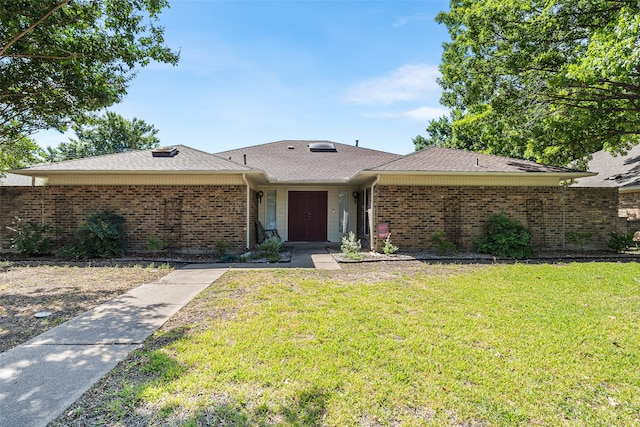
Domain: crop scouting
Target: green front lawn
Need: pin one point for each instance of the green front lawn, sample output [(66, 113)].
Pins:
[(440, 345)]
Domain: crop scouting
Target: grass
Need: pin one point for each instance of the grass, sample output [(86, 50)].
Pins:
[(447, 345)]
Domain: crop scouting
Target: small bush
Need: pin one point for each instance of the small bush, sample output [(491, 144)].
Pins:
[(505, 237), (270, 249), (620, 242), (222, 247), (222, 250), (100, 235), (156, 245), (30, 238), (579, 238), (443, 246), (389, 248), (351, 247)]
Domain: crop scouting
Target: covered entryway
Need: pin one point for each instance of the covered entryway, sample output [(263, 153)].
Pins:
[(307, 216)]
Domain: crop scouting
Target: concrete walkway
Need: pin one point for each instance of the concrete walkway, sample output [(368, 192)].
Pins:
[(42, 377), (310, 255)]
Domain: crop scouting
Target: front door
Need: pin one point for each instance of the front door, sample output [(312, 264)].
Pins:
[(308, 216)]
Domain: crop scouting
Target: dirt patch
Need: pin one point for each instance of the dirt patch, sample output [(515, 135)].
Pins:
[(64, 290)]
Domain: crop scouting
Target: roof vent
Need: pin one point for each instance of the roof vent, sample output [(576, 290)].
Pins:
[(164, 152), (326, 147)]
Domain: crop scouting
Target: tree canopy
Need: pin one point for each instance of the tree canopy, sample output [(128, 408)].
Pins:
[(550, 80), (108, 134), (61, 60), (24, 152)]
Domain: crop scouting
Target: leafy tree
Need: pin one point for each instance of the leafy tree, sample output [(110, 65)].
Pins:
[(24, 151), (552, 80), (107, 134), (61, 59)]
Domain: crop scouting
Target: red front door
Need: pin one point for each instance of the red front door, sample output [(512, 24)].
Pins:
[(308, 216)]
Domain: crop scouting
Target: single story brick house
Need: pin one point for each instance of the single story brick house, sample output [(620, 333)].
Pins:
[(310, 191)]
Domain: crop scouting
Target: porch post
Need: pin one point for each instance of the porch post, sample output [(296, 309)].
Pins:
[(248, 212), (371, 221)]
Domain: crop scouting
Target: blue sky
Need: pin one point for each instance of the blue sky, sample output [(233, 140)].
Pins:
[(253, 72)]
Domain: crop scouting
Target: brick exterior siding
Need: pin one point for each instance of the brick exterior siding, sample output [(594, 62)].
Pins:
[(191, 219), (415, 213), (630, 205)]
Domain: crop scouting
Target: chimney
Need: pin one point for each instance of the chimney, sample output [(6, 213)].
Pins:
[(357, 142), (245, 159)]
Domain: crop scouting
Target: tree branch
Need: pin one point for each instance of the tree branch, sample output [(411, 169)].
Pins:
[(32, 26), (17, 55)]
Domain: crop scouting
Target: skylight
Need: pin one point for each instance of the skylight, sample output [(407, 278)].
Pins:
[(164, 152), (327, 147)]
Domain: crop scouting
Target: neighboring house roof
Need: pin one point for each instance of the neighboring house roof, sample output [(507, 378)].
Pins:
[(187, 160), (621, 171), (293, 161), (447, 160)]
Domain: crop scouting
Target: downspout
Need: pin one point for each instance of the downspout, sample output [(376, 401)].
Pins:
[(371, 222), (564, 215), (248, 216)]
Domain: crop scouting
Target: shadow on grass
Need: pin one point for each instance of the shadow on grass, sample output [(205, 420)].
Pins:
[(116, 399), (306, 409)]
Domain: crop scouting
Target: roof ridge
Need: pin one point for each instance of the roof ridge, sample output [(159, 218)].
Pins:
[(218, 156), (402, 156), (307, 141)]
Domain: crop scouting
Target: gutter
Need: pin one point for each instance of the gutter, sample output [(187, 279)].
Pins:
[(248, 214), (558, 174), (371, 230)]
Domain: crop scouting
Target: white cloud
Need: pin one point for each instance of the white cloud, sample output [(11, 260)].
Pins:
[(383, 115), (426, 113), (420, 114), (404, 20), (407, 83)]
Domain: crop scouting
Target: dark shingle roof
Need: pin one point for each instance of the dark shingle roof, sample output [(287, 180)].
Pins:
[(613, 171), (437, 159), (187, 160), (292, 161)]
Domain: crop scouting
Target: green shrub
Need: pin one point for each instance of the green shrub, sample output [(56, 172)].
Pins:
[(222, 247), (620, 242), (270, 249), (443, 246), (156, 245), (389, 248), (350, 247), (579, 238), (100, 235), (30, 238), (505, 237), (222, 250)]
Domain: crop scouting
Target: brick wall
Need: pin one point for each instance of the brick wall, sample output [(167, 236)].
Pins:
[(190, 218), (630, 205), (415, 213)]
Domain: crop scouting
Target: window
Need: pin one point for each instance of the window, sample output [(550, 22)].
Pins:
[(343, 211), (367, 210), (270, 220)]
